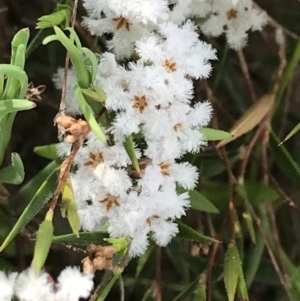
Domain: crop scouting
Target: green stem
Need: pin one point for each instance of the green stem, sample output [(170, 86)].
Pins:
[(256, 252)]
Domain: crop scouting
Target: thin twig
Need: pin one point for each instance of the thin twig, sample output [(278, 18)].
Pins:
[(275, 24), (122, 288), (270, 252), (212, 257), (246, 74), (231, 181), (258, 132), (66, 167)]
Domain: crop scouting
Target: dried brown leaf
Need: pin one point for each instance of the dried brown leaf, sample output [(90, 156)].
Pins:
[(251, 118)]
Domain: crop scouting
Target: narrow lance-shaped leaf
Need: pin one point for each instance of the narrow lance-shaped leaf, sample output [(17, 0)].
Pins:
[(14, 173), (75, 56), (96, 94), (17, 73), (249, 223), (189, 233), (200, 202), (291, 133), (43, 242), (14, 87), (251, 118), (85, 238), (93, 63), (69, 207), (287, 75), (242, 285), (20, 38), (232, 265), (109, 284), (14, 105), (214, 134), (42, 195), (88, 114), (188, 291), (47, 151), (61, 16), (129, 146)]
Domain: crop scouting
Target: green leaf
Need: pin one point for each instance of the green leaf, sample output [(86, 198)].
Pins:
[(14, 173), (287, 76), (14, 72), (43, 243), (200, 293), (13, 105), (61, 16), (283, 158), (214, 134), (85, 238), (291, 133), (110, 284), (18, 201), (249, 223), (96, 94), (129, 146), (199, 201), (88, 114), (232, 265), (69, 207), (242, 285), (42, 195), (47, 151), (76, 56), (21, 38), (120, 243), (258, 193), (189, 233), (91, 63), (188, 291)]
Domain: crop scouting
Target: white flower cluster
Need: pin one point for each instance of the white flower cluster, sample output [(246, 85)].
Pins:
[(233, 20), (128, 21), (151, 100), (28, 286)]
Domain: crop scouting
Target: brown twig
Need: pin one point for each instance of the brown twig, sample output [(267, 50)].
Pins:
[(246, 74), (275, 24), (212, 259), (270, 252), (66, 167), (245, 160)]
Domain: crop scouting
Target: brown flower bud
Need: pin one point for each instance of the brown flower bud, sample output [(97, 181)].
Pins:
[(65, 121)]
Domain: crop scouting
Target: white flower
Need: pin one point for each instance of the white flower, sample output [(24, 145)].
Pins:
[(32, 287), (126, 20), (72, 105), (151, 100), (72, 285), (163, 231), (234, 19), (7, 286)]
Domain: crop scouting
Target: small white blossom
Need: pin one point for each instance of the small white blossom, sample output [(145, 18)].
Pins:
[(234, 19), (32, 287), (72, 105), (72, 285), (7, 286)]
